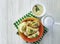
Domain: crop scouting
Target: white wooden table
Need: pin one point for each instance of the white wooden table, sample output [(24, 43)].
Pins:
[(11, 10)]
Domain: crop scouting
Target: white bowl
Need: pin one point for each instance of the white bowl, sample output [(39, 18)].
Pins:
[(44, 10)]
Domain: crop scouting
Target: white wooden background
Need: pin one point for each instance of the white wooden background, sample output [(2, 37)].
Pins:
[(11, 10)]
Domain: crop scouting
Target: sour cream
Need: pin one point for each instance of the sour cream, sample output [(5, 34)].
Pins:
[(38, 10)]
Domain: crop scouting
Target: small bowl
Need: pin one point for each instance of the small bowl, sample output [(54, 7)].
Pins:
[(43, 12)]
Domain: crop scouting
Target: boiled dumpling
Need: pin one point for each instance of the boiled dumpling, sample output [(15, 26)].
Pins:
[(22, 27), (31, 30), (35, 24), (34, 35)]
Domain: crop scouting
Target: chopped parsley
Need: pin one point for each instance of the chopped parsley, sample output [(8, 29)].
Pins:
[(36, 35), (37, 9)]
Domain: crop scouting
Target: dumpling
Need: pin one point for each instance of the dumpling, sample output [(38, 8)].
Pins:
[(31, 30), (35, 24), (22, 27), (34, 35)]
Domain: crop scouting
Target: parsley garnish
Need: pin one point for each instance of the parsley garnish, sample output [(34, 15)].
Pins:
[(37, 9)]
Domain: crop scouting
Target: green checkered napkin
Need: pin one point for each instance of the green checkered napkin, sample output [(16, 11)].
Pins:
[(30, 14)]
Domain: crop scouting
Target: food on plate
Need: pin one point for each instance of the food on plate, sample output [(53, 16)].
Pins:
[(34, 35), (30, 29)]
